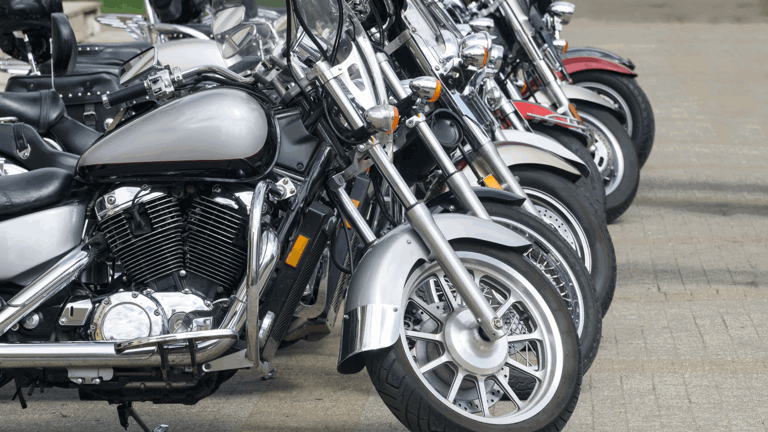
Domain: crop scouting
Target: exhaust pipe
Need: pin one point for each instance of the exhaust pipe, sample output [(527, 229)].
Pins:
[(103, 354), (50, 282)]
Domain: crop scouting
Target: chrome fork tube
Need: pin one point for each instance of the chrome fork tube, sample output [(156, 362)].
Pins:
[(457, 182), (496, 165), (50, 283), (506, 109), (421, 220), (518, 19)]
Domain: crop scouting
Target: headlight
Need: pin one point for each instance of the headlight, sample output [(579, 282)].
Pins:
[(562, 10)]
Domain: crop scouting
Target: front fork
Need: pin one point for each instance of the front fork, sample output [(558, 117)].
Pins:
[(420, 218), (518, 19)]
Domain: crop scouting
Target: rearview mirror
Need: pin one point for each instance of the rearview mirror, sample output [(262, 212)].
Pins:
[(138, 66)]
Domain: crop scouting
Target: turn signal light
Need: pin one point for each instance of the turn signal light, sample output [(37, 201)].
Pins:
[(491, 182), (475, 56), (426, 88), (383, 118)]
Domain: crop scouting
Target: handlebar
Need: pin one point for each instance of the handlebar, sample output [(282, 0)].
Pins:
[(127, 94)]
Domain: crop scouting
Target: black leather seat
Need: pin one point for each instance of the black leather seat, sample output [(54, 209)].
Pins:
[(40, 110), (45, 111), (32, 190), (17, 138), (114, 54)]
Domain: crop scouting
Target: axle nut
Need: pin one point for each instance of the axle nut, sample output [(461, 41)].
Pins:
[(497, 323)]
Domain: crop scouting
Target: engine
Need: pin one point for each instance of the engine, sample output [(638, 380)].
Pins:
[(178, 248)]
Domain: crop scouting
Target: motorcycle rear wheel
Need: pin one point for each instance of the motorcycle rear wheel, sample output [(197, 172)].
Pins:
[(627, 96), (432, 379)]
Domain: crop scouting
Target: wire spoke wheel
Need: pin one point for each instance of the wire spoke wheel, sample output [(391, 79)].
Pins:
[(463, 368)]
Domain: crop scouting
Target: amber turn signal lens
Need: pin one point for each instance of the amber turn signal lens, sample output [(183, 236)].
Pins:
[(491, 182), (485, 59), (396, 119), (438, 89), (297, 251)]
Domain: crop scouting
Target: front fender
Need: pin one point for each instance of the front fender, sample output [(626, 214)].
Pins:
[(528, 152), (575, 94), (598, 53), (372, 311), (579, 64)]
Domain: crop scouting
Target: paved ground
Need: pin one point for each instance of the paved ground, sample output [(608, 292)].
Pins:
[(685, 345)]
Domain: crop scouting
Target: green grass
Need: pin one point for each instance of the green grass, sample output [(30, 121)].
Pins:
[(137, 6)]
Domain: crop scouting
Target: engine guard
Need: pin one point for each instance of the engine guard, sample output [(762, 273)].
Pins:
[(373, 312)]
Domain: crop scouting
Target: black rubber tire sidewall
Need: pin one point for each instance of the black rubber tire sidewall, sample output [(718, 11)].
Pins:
[(414, 405), (603, 270), (594, 182), (644, 123), (618, 201), (589, 340)]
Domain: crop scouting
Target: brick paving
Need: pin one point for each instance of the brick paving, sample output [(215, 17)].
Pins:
[(685, 344)]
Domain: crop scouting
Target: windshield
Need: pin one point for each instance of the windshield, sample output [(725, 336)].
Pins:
[(243, 29)]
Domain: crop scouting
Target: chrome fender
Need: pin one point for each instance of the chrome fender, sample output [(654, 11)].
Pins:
[(575, 94), (372, 311), (545, 143), (523, 154)]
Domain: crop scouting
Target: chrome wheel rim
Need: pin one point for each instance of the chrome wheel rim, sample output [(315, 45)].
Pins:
[(562, 220), (615, 99), (551, 263), (466, 373), (607, 153)]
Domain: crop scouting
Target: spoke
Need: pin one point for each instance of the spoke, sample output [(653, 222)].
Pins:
[(536, 335), (457, 380), (503, 382), (506, 305), (430, 337), (481, 393), (435, 363), (447, 291), (538, 374), (428, 310), (433, 291)]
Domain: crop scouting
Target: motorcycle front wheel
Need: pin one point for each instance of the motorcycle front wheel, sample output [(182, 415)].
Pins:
[(443, 374), (566, 210), (628, 97), (615, 157)]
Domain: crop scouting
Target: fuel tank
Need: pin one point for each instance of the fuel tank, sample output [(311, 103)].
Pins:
[(217, 134)]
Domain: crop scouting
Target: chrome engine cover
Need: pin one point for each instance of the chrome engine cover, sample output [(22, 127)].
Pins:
[(131, 315), (128, 315)]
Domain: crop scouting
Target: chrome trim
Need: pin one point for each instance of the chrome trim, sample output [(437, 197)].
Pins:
[(76, 313), (547, 144), (175, 339), (120, 199), (49, 283), (381, 275), (103, 354)]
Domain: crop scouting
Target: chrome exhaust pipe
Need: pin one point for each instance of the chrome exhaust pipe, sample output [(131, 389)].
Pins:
[(103, 354), (50, 282)]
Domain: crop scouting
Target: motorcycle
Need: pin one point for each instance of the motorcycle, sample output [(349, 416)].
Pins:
[(520, 166), (174, 261), (608, 75), (530, 71)]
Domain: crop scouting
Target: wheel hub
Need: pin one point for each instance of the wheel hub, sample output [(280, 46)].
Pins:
[(469, 349)]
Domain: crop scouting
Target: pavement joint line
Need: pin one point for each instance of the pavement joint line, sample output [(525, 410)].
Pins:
[(681, 366)]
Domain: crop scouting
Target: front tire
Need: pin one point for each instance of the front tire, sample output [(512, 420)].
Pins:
[(624, 92), (568, 212), (465, 392), (616, 157)]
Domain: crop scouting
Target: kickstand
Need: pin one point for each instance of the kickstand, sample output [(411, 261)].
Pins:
[(125, 410), (19, 394)]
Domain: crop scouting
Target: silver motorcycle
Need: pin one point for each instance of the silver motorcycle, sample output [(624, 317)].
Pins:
[(180, 251)]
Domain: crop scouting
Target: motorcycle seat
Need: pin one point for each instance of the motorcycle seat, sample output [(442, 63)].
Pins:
[(32, 190), (41, 109), (16, 137), (114, 54), (45, 111)]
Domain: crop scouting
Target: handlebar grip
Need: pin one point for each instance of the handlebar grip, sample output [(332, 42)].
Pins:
[(130, 93)]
